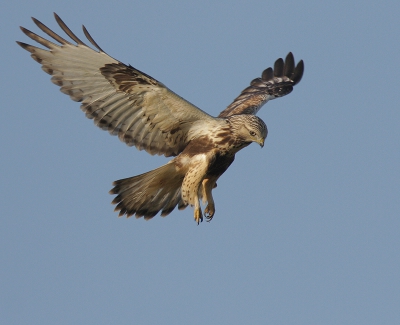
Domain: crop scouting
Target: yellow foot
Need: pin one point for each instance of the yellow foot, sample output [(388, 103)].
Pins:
[(209, 211), (198, 216)]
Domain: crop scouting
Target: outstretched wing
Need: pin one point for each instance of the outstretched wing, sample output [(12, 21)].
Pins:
[(273, 83), (121, 99)]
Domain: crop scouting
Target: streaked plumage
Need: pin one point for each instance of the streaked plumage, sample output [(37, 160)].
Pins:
[(144, 113)]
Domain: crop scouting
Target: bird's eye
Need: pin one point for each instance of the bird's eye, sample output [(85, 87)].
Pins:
[(252, 133)]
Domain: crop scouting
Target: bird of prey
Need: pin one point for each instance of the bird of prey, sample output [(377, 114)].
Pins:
[(144, 113)]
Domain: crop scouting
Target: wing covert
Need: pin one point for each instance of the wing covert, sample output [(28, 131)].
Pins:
[(274, 83), (119, 98)]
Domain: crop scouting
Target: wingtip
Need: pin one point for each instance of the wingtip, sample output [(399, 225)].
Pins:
[(24, 46), (267, 74), (289, 65), (289, 56), (23, 29), (90, 38), (58, 19), (37, 22), (278, 67), (298, 72)]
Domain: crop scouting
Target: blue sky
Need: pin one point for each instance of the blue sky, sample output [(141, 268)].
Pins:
[(306, 230)]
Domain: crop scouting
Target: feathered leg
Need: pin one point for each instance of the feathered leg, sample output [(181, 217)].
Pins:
[(208, 185), (190, 189)]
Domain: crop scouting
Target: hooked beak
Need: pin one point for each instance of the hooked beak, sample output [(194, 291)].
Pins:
[(261, 142)]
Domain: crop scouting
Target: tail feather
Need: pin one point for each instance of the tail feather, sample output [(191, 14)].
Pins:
[(147, 194), (170, 206)]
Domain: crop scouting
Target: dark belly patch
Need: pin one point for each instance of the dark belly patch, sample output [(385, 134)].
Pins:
[(220, 165)]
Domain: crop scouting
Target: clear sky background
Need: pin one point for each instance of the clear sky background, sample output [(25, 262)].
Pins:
[(306, 230)]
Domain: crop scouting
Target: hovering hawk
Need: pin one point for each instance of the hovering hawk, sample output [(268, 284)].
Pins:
[(144, 113)]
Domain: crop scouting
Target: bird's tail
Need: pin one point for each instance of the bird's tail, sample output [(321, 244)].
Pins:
[(147, 194)]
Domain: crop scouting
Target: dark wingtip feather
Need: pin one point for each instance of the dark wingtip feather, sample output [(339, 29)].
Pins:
[(32, 50), (90, 38), (23, 45), (38, 38), (278, 68), (25, 31), (67, 31), (289, 65), (298, 72), (268, 74), (49, 32)]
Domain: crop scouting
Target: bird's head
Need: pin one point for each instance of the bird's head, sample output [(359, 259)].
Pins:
[(249, 128)]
